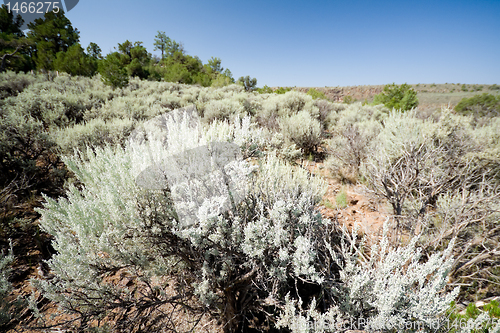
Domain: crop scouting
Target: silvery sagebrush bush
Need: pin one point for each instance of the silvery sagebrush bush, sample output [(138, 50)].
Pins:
[(11, 308), (353, 129), (5, 287), (235, 261), (439, 175), (302, 130), (389, 290)]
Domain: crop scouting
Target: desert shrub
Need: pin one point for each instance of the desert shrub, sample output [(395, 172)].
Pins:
[(464, 87), (6, 303), (95, 132), (23, 141), (60, 102), (233, 264), (494, 87), (421, 159), (352, 131), (438, 177), (480, 105), (302, 130), (324, 109), (348, 99), (222, 109), (401, 97), (388, 290), (12, 84), (287, 104)]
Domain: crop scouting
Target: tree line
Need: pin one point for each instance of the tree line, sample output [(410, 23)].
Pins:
[(53, 44)]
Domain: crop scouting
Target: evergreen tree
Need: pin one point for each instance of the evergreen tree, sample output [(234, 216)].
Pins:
[(94, 51), (13, 44), (161, 43), (75, 62), (247, 82), (112, 70), (50, 35)]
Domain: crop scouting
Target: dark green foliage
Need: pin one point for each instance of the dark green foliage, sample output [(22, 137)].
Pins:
[(183, 68), (166, 45), (112, 70), (94, 51), (316, 94), (50, 35), (494, 87), (480, 105), (13, 44), (464, 87), (75, 62), (248, 83), (401, 97)]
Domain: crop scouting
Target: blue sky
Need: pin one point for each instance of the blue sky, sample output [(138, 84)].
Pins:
[(313, 43)]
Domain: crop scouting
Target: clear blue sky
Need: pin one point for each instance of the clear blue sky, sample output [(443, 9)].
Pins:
[(313, 43)]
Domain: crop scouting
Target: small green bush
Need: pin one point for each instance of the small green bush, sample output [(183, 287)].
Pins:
[(401, 97), (494, 87), (264, 90), (486, 320), (348, 99), (282, 90), (341, 199), (316, 94), (480, 105)]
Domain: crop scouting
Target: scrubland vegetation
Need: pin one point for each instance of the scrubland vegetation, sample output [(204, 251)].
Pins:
[(82, 135), (122, 262)]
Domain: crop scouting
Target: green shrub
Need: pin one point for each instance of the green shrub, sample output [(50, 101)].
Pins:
[(112, 71), (341, 199), (401, 97), (282, 90), (348, 99), (494, 87), (480, 105), (316, 94), (264, 90), (474, 319), (464, 87)]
